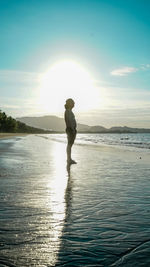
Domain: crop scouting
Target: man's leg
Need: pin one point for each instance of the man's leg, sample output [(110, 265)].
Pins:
[(69, 152), (71, 139)]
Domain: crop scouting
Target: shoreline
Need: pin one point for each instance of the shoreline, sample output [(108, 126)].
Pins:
[(142, 156), (9, 135), (120, 152)]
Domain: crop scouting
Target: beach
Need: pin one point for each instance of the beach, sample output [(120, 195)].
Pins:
[(95, 213), (10, 135)]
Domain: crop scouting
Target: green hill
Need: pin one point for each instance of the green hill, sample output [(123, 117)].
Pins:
[(10, 125)]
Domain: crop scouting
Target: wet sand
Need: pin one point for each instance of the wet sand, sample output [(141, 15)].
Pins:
[(10, 135), (97, 213)]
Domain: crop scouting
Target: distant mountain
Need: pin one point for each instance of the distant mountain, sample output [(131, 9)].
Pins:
[(95, 129), (54, 123), (126, 129), (118, 129)]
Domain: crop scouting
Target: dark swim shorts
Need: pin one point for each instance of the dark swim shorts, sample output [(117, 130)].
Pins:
[(71, 135)]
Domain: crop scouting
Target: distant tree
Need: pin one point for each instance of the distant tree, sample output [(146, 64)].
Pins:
[(11, 125), (3, 119), (8, 124)]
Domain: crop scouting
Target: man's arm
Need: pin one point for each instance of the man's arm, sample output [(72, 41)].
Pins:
[(69, 120)]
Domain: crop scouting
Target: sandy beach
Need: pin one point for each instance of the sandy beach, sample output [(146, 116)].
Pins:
[(96, 213), (10, 135)]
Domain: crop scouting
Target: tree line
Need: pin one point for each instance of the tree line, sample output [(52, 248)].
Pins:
[(10, 125)]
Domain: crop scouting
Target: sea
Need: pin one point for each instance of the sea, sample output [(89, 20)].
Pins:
[(130, 141)]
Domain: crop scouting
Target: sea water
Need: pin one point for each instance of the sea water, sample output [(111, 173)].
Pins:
[(132, 141)]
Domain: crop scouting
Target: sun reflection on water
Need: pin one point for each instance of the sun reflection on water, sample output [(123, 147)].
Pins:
[(57, 187)]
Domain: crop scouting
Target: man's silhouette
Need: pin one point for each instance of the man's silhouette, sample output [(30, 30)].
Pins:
[(70, 128)]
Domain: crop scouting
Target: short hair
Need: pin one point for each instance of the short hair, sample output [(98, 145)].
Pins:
[(69, 103)]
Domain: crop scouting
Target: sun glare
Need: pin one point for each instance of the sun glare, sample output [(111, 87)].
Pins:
[(67, 79)]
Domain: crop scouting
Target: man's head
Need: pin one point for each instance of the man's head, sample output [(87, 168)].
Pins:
[(69, 103)]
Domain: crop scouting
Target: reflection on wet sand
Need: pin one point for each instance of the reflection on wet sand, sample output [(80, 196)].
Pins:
[(53, 216), (68, 196), (35, 195), (60, 197)]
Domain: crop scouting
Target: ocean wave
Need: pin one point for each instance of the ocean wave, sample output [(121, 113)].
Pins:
[(140, 141)]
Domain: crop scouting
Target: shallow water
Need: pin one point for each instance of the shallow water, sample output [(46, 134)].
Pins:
[(95, 214), (131, 141)]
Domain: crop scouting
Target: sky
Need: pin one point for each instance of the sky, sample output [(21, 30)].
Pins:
[(94, 51)]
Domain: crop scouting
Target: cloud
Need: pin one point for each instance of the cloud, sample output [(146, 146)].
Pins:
[(15, 76), (19, 84), (131, 117), (145, 66), (3, 106), (16, 107), (123, 71)]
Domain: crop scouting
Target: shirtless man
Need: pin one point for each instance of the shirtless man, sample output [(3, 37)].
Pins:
[(70, 128)]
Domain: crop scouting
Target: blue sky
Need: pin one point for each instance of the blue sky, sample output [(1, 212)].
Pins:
[(110, 38)]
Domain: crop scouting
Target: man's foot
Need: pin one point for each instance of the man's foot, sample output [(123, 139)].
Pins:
[(71, 161)]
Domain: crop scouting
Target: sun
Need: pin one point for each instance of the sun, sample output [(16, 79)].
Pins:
[(67, 79)]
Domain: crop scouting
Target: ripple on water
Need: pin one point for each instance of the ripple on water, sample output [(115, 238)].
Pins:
[(96, 216)]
